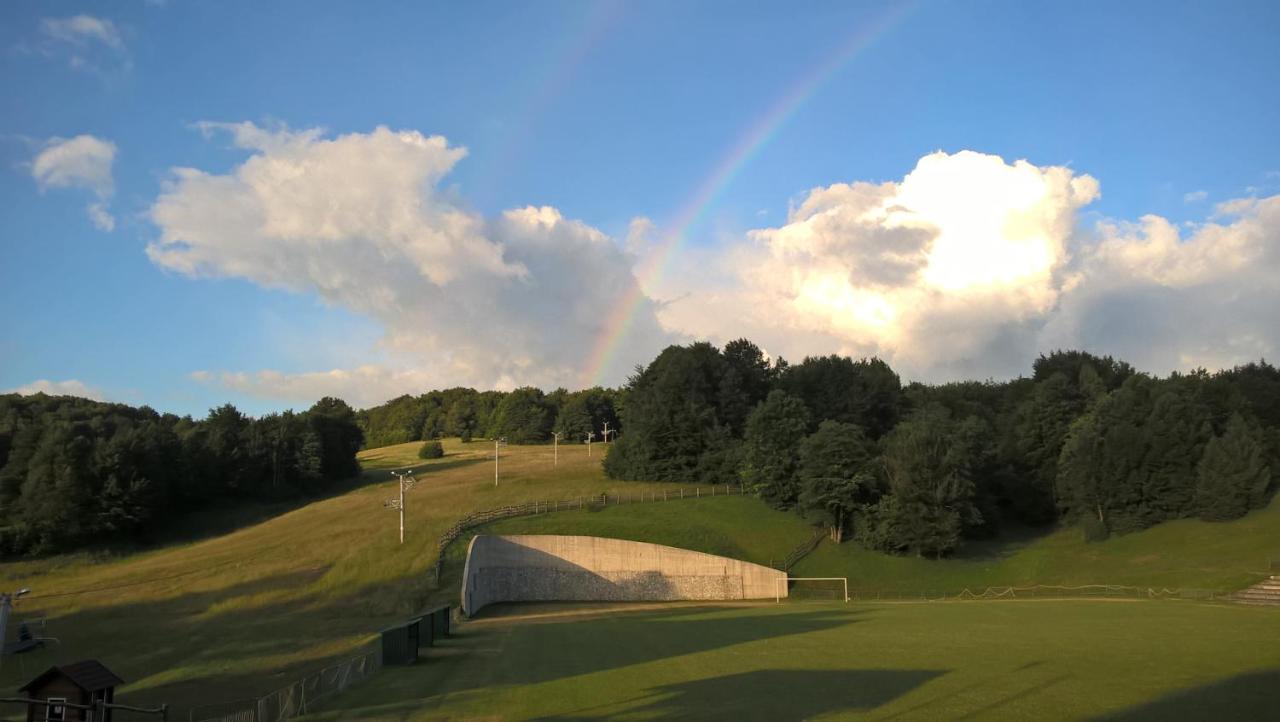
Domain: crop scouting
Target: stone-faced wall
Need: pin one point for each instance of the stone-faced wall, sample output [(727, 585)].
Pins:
[(529, 568)]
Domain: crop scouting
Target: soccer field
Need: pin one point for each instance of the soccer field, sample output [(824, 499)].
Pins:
[(1156, 660)]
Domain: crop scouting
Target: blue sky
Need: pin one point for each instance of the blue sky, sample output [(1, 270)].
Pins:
[(610, 113)]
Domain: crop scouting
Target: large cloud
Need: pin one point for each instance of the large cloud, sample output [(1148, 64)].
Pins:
[(361, 220), (80, 162), (971, 266)]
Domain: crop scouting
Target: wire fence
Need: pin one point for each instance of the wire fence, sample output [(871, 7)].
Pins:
[(488, 516), (1037, 591), (296, 699)]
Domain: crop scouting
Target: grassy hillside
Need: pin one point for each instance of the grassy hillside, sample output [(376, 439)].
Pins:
[(242, 613), (1187, 553)]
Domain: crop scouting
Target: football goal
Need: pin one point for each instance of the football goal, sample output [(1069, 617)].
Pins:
[(814, 588)]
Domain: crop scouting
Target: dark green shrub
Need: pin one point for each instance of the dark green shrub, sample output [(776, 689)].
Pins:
[(431, 450)]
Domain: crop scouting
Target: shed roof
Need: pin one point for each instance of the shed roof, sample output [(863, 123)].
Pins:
[(89, 675)]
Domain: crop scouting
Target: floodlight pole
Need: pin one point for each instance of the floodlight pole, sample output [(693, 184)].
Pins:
[(555, 448), (402, 476), (606, 432), (590, 435)]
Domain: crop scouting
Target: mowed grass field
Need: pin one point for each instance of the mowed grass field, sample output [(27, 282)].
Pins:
[(999, 660)]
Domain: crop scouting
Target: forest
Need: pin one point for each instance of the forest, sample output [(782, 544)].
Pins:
[(904, 468), (75, 472), (918, 469)]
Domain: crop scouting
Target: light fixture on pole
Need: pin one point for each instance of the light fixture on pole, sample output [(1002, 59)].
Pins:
[(590, 435), (555, 448), (607, 432), (497, 443), (406, 482)]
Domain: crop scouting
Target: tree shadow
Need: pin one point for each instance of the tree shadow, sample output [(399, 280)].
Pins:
[(564, 648), (1011, 539), (423, 466), (771, 694), (1248, 696)]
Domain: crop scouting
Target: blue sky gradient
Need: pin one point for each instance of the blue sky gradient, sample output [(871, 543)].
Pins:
[(606, 112)]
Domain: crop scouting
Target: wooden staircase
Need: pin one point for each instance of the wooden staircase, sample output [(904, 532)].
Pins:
[(1265, 592)]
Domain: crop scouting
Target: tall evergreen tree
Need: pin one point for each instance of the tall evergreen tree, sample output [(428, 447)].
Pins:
[(771, 448), (1233, 475)]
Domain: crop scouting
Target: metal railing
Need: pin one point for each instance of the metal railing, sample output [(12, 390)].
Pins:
[(296, 699)]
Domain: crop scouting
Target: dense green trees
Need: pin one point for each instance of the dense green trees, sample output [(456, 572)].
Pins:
[(681, 417), (771, 450), (1085, 439), (523, 417), (1233, 475), (918, 470), (837, 475), (75, 471)]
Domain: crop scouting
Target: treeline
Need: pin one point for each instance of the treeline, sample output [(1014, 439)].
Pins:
[(523, 416), (918, 469), (75, 471)]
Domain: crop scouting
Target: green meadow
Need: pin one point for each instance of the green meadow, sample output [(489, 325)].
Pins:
[(244, 601)]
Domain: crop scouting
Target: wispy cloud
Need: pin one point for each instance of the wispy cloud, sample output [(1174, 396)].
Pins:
[(1195, 196), (85, 42), (85, 162), (70, 387)]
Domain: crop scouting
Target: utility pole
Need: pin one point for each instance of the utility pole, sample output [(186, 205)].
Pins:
[(496, 444), (6, 602), (555, 448), (590, 435), (406, 481), (606, 432)]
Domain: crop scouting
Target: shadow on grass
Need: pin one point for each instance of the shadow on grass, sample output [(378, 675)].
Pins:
[(219, 644), (1011, 539), (426, 466), (516, 654), (1248, 696), (772, 694)]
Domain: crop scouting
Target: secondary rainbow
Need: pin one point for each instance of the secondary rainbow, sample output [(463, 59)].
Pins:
[(748, 144)]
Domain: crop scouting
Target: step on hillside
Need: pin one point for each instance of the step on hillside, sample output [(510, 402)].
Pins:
[(1266, 591)]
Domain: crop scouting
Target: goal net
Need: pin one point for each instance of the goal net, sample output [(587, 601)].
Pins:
[(825, 589)]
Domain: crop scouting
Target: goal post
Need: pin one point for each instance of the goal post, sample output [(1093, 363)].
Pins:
[(843, 585)]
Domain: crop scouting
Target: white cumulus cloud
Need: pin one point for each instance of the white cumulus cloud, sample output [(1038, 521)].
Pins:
[(84, 162), (970, 266), (362, 220)]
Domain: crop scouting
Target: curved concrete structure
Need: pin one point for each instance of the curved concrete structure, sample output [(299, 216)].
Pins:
[(536, 568)]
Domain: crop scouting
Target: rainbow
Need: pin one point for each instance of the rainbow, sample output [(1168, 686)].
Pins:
[(551, 82), (747, 146)]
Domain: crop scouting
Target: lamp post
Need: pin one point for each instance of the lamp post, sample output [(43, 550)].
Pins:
[(606, 432), (406, 482), (590, 435), (555, 448), (497, 443)]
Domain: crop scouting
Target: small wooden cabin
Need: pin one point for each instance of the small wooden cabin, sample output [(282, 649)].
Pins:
[(82, 683)]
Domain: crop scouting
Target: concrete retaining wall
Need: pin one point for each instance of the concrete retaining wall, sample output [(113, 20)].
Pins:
[(530, 568)]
